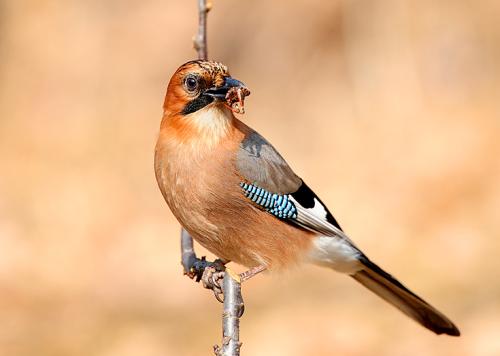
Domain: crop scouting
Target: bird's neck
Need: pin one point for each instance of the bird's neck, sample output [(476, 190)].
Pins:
[(203, 129)]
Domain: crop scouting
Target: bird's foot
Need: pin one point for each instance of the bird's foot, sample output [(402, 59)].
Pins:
[(197, 268), (212, 277), (210, 274), (245, 276)]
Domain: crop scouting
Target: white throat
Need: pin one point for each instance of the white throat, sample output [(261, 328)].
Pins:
[(212, 122)]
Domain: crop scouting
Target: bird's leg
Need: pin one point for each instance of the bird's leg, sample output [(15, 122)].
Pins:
[(245, 276)]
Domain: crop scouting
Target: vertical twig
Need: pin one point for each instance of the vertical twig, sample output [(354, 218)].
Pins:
[(200, 40), (188, 257), (233, 301), (233, 310)]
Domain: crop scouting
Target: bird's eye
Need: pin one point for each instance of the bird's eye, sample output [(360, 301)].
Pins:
[(191, 83)]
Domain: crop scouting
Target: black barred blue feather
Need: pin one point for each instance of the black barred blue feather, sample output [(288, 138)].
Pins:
[(280, 205)]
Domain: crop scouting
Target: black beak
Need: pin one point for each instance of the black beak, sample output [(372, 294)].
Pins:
[(220, 92)]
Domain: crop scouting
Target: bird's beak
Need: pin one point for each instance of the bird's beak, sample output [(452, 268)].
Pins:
[(220, 92)]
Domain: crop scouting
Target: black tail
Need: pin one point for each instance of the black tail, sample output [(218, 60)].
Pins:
[(390, 289)]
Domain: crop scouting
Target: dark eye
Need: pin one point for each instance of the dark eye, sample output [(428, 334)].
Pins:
[(191, 83)]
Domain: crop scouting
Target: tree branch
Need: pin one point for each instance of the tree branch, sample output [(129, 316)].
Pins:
[(200, 40), (233, 310), (195, 267), (188, 256)]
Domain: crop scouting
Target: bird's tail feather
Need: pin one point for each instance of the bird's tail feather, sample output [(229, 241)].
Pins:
[(390, 289)]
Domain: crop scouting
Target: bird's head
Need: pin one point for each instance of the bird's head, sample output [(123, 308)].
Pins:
[(199, 85)]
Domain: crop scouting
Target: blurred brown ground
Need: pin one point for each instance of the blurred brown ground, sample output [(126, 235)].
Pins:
[(389, 109)]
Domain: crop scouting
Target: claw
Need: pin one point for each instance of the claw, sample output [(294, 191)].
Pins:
[(212, 278), (210, 274)]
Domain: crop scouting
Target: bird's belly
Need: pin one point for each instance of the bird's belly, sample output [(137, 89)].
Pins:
[(251, 237), (206, 198), (222, 220)]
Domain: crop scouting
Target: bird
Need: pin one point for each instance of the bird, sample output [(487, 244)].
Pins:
[(233, 192)]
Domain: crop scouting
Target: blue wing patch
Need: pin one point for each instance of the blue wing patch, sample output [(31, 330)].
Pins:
[(279, 205)]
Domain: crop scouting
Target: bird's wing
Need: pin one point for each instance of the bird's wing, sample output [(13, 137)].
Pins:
[(259, 162), (272, 185)]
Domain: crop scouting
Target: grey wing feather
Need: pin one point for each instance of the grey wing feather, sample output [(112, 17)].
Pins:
[(311, 220), (259, 162)]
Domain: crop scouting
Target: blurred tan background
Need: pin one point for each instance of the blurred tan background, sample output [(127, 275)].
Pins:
[(389, 110)]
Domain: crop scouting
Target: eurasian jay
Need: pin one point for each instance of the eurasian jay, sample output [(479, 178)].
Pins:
[(237, 196)]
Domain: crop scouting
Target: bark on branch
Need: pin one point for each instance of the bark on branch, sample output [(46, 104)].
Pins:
[(233, 310), (200, 40)]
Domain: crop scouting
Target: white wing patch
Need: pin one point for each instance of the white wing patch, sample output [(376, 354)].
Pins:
[(332, 247), (314, 219), (318, 209)]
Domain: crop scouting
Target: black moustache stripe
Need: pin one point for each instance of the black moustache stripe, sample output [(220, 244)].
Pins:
[(197, 104)]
